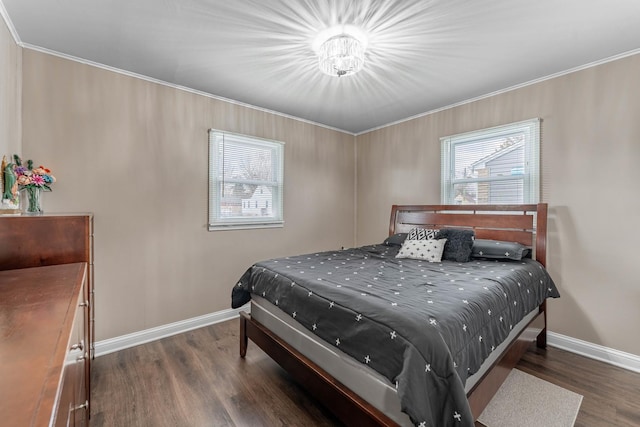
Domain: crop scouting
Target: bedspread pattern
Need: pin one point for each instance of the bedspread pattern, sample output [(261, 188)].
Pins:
[(425, 326)]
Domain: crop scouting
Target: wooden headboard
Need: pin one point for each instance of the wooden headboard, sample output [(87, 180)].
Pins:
[(525, 224)]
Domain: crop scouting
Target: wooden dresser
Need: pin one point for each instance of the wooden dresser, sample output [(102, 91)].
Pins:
[(44, 347), (53, 240)]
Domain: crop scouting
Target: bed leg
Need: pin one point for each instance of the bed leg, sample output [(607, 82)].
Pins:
[(541, 340), (244, 339)]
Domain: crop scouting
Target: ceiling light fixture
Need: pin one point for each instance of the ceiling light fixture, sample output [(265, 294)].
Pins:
[(340, 50)]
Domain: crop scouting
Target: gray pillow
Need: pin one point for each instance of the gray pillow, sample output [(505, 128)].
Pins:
[(498, 249), (395, 240), (459, 243)]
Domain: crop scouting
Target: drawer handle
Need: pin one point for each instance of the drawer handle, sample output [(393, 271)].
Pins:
[(85, 405), (78, 346), (81, 358), (84, 304)]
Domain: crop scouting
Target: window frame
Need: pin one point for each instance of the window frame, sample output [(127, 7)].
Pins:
[(531, 174), (216, 222)]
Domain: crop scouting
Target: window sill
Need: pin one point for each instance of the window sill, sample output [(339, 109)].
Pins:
[(245, 226)]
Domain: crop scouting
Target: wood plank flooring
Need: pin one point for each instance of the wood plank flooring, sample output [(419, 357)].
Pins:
[(197, 379), (611, 394)]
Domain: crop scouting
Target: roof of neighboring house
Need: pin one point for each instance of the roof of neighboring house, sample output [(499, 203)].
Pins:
[(268, 191), (497, 154)]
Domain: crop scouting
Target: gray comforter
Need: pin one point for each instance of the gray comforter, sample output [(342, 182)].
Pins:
[(425, 326)]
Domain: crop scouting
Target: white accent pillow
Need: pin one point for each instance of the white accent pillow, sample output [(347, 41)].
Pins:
[(428, 250), (422, 234)]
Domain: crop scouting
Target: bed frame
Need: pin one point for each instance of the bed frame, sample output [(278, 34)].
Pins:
[(526, 224)]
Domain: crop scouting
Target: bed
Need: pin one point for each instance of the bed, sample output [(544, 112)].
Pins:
[(381, 340)]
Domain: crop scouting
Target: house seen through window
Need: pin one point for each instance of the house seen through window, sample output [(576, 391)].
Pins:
[(498, 165), (245, 181)]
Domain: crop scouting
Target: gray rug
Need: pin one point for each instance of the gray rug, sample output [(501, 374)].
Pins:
[(526, 401)]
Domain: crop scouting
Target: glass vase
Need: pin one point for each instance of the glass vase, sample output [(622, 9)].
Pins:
[(33, 200)]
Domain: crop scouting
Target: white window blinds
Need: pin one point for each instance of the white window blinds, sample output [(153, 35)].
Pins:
[(499, 165), (245, 181)]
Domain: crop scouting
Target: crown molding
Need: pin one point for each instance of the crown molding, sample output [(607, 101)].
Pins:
[(509, 89), (16, 37), (175, 86), (9, 23)]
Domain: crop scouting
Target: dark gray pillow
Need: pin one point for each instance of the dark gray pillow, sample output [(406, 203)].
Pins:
[(498, 249), (395, 240), (459, 243)]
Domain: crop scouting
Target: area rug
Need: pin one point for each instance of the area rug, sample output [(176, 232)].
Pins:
[(526, 401)]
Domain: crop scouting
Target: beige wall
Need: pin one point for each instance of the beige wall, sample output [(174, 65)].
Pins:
[(590, 171), (135, 153), (10, 97)]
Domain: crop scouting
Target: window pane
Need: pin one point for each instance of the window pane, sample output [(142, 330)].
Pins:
[(247, 162), (489, 158), (246, 201), (245, 181), (498, 165), (503, 192), (489, 193), (465, 194)]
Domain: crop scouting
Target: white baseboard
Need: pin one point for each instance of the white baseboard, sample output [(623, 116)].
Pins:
[(131, 340), (594, 351)]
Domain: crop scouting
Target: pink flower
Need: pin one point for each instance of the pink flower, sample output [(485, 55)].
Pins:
[(37, 180)]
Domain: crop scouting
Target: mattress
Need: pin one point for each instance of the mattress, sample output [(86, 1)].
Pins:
[(426, 327), (364, 381)]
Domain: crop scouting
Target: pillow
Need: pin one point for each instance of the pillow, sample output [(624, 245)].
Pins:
[(422, 234), (395, 240), (428, 250), (497, 249), (459, 243)]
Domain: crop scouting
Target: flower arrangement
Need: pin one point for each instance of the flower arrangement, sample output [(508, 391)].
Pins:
[(33, 181), (29, 177)]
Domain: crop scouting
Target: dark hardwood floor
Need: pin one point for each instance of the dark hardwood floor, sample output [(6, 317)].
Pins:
[(611, 394), (198, 379)]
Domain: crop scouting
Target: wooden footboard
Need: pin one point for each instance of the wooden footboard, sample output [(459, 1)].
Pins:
[(351, 408), (482, 393), (345, 404)]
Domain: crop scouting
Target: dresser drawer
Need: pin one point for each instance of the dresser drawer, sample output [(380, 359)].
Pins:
[(72, 406)]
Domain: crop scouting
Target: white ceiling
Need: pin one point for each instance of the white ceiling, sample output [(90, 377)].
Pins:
[(423, 55)]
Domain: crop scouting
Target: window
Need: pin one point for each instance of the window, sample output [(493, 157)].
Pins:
[(245, 181), (500, 165)]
